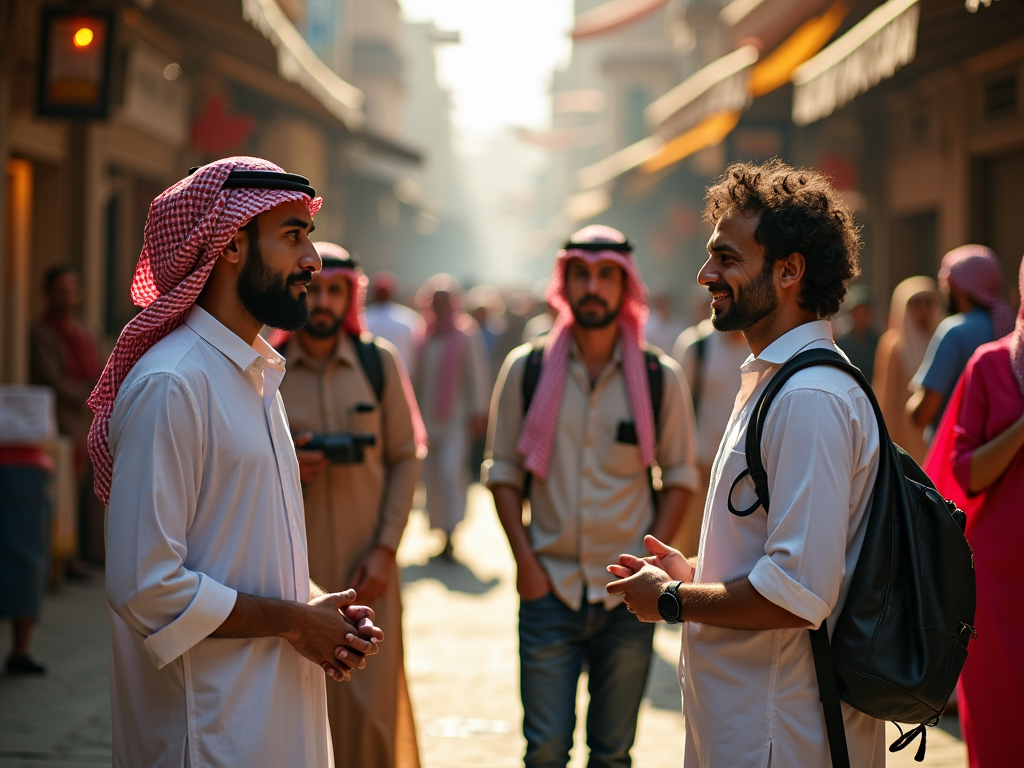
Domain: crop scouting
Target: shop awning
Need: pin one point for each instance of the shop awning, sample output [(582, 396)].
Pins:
[(611, 16), (719, 87), (870, 52), (297, 63), (618, 163)]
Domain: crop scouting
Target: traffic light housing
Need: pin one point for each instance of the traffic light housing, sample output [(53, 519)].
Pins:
[(74, 64)]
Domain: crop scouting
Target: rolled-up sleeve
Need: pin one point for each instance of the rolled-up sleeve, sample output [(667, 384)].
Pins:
[(676, 452), (808, 451), (157, 444), (503, 464)]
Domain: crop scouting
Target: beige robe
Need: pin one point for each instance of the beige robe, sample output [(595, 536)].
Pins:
[(351, 509)]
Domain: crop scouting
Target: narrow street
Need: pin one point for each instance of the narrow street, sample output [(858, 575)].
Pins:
[(462, 663)]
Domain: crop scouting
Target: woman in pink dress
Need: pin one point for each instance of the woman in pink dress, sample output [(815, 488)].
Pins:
[(978, 460)]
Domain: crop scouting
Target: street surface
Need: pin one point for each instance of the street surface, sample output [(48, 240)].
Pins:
[(462, 663)]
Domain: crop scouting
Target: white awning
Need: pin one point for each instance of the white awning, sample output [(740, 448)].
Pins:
[(297, 63), (870, 52), (616, 164), (611, 16), (719, 87)]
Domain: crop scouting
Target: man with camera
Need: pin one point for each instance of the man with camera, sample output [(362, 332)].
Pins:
[(358, 433)]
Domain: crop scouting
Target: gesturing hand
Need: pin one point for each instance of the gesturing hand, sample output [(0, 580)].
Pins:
[(336, 635), (643, 579)]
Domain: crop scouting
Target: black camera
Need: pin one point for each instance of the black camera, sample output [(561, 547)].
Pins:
[(341, 448)]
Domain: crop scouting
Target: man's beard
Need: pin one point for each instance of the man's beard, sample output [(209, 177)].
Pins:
[(586, 319), (266, 296), (318, 331), (757, 302)]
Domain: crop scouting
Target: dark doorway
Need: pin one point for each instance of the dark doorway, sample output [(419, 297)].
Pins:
[(915, 248)]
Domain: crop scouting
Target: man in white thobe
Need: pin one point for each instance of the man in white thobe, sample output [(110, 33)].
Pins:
[(219, 640), (782, 252)]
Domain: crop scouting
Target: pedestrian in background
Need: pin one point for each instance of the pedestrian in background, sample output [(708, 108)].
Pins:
[(357, 502), (711, 362), (860, 340), (784, 248), (977, 459), (581, 451), (914, 314), (394, 322), (971, 279), (25, 505), (663, 324), (452, 387), (65, 357), (220, 642)]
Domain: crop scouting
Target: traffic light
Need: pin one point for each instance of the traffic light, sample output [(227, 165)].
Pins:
[(74, 65)]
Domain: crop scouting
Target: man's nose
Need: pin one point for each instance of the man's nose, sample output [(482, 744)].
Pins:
[(310, 259), (707, 275)]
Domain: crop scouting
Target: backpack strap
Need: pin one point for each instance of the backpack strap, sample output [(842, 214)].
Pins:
[(369, 360), (755, 430), (530, 378), (655, 383), (828, 692)]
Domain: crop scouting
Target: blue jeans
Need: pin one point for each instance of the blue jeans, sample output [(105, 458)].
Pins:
[(554, 642)]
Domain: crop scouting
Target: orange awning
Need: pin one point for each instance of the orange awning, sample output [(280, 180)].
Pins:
[(777, 69), (711, 131), (612, 15)]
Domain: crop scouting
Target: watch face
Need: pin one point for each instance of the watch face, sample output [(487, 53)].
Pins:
[(668, 607)]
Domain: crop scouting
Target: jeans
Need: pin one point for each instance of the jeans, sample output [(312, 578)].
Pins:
[(554, 642)]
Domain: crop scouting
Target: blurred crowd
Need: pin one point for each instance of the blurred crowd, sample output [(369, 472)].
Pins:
[(445, 346)]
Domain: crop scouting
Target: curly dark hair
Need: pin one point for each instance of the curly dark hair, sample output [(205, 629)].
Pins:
[(800, 212)]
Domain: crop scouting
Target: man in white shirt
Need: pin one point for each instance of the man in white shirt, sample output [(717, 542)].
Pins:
[(394, 322), (783, 251), (219, 640)]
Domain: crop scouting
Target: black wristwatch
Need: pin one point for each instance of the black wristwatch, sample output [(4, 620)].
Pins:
[(668, 604)]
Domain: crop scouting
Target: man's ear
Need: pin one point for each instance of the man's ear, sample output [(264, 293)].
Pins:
[(236, 248), (792, 270)]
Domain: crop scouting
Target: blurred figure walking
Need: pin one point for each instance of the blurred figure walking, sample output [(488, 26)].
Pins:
[(452, 386), (387, 319), (577, 437), (663, 324), (914, 314), (971, 278), (350, 388), (860, 340), (978, 460), (25, 506), (66, 358)]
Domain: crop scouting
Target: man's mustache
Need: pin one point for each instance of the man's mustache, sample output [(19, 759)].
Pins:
[(325, 313), (305, 277), (590, 297)]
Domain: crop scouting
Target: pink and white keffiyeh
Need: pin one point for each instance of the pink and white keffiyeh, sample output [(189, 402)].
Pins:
[(536, 442), (975, 270), (188, 226), (1017, 341)]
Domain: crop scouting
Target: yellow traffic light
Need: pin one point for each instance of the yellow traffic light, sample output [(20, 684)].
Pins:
[(83, 37)]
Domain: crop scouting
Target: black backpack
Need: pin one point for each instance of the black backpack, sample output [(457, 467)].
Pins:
[(655, 385), (901, 640)]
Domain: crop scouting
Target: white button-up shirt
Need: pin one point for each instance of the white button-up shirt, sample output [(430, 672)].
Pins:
[(751, 698), (205, 502)]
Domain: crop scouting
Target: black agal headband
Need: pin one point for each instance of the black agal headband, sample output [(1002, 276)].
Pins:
[(249, 179), (599, 245)]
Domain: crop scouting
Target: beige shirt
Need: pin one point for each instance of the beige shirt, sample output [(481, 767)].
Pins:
[(350, 508), (751, 698), (204, 503), (596, 503)]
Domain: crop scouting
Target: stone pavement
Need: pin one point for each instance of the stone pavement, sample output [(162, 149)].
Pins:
[(462, 661)]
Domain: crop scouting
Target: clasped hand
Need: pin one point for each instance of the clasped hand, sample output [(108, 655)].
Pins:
[(337, 635), (643, 579)]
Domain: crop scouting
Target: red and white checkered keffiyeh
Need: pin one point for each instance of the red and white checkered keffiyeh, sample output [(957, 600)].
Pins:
[(188, 226), (975, 270), (537, 440), (1017, 342)]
